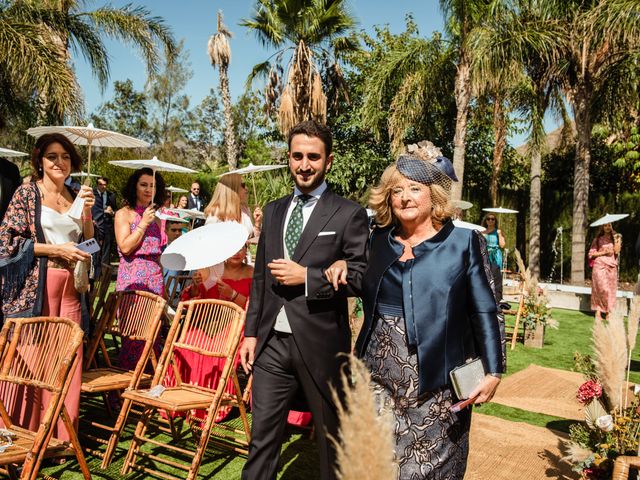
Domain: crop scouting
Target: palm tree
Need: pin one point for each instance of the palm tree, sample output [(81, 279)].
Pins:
[(31, 66), (596, 55), (508, 49), (461, 17), (316, 34), (65, 28), (220, 55)]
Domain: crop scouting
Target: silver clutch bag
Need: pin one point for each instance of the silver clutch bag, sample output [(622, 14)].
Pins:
[(467, 377)]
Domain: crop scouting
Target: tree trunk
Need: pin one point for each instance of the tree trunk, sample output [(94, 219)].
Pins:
[(582, 97), (534, 212), (500, 142), (463, 96), (229, 130)]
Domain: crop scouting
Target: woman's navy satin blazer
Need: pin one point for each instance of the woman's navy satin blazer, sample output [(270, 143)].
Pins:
[(449, 308)]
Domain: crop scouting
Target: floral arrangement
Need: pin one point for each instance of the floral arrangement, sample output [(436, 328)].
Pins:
[(536, 304), (612, 411)]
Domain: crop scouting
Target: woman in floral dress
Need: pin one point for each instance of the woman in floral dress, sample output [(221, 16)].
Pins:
[(603, 257), (140, 241)]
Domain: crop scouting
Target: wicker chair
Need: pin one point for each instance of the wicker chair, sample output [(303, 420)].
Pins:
[(134, 315), (98, 294), (40, 352), (622, 466), (174, 286), (518, 329), (207, 327)]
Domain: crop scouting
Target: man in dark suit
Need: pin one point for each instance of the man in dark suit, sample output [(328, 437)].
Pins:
[(103, 212), (9, 182), (194, 200), (297, 324)]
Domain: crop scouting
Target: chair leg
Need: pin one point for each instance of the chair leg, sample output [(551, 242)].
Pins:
[(204, 438), (135, 442), (76, 444), (13, 472), (115, 434), (241, 406)]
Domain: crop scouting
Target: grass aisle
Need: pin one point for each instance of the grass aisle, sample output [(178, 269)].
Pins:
[(299, 457)]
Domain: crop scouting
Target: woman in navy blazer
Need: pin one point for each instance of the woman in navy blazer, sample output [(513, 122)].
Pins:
[(428, 308)]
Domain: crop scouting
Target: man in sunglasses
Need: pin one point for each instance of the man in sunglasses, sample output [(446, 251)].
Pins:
[(103, 212)]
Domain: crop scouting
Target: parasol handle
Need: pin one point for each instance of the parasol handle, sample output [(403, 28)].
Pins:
[(87, 181)]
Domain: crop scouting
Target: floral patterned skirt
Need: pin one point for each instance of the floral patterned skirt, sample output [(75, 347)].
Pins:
[(431, 442)]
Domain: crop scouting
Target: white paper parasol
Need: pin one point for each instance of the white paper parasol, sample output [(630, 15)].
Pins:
[(499, 210), (251, 168), (462, 204), (173, 189), (170, 218), (467, 225), (205, 246), (183, 212), (83, 174), (609, 218), (90, 136), (155, 165), (5, 152)]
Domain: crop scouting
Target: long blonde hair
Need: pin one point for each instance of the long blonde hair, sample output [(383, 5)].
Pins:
[(380, 199), (225, 201)]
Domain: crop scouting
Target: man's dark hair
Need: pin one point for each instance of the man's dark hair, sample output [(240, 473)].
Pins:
[(104, 179), (42, 143), (129, 190), (311, 128)]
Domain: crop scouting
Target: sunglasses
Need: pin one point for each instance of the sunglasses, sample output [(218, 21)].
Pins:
[(492, 219)]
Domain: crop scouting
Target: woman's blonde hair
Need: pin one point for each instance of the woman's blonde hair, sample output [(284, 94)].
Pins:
[(225, 201), (380, 199)]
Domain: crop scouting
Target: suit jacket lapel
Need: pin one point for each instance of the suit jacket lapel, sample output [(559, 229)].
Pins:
[(321, 214), (279, 214)]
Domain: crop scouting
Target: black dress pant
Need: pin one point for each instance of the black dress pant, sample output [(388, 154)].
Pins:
[(278, 372)]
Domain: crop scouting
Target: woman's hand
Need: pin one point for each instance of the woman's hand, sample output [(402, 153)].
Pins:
[(70, 253), (224, 289), (337, 273), (257, 217), (148, 216), (486, 390), (86, 193)]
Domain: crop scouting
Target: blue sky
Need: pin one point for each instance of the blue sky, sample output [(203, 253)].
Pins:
[(195, 20)]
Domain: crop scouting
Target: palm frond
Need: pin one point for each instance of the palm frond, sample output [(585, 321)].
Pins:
[(135, 26)]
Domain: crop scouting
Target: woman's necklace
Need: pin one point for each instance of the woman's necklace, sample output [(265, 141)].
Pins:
[(59, 200)]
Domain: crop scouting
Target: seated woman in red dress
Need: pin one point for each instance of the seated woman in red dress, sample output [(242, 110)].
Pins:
[(233, 286)]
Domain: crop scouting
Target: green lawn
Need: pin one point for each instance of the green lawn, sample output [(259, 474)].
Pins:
[(299, 458)]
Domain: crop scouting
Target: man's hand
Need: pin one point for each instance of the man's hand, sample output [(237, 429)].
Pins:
[(288, 272), (337, 273), (485, 391), (247, 353)]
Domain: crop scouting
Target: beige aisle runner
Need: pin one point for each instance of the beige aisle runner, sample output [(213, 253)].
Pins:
[(542, 390), (504, 450)]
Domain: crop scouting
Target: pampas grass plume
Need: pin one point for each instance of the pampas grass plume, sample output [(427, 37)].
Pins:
[(365, 448), (632, 324), (610, 346)]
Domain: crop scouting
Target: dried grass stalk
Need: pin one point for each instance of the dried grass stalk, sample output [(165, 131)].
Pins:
[(365, 448), (610, 346), (574, 453), (318, 99), (286, 114)]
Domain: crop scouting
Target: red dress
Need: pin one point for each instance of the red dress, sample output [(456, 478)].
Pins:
[(199, 369), (205, 371)]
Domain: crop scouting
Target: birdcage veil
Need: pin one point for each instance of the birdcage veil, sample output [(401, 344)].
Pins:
[(423, 163)]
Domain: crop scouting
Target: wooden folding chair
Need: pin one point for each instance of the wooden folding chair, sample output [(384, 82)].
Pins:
[(517, 327), (132, 315), (623, 465), (212, 328), (39, 352), (174, 286), (98, 294)]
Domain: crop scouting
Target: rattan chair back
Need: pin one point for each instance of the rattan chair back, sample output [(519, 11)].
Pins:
[(174, 286), (40, 352)]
